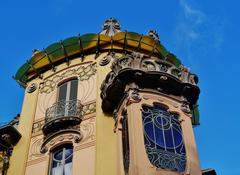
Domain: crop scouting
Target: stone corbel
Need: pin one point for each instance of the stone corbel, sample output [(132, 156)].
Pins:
[(134, 97), (184, 74), (185, 107), (137, 59)]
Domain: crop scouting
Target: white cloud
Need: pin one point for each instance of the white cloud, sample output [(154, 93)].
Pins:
[(189, 21), (193, 15), (196, 32)]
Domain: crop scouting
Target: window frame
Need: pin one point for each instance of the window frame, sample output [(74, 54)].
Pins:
[(170, 115), (63, 82), (55, 150)]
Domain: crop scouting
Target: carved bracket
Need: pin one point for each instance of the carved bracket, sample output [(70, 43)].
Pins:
[(146, 73), (73, 136)]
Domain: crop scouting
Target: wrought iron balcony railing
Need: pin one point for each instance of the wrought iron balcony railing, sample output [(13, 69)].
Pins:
[(62, 115), (71, 108)]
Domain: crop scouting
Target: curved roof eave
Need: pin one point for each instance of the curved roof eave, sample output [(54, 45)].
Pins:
[(90, 43)]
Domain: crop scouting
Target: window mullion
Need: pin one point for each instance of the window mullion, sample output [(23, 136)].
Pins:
[(63, 161), (67, 98)]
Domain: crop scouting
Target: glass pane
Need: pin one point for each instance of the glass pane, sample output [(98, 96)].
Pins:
[(68, 161), (62, 161), (68, 152), (62, 92), (73, 89), (68, 169), (163, 138), (57, 171), (57, 160), (58, 155)]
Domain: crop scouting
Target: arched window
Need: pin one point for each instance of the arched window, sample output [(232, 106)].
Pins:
[(163, 138), (61, 160)]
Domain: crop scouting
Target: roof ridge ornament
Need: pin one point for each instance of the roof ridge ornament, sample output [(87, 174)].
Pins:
[(154, 35), (110, 27)]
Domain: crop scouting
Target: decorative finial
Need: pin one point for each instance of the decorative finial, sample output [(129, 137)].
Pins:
[(110, 27), (153, 34), (35, 51)]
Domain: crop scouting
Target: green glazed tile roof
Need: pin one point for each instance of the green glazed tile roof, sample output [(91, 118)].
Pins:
[(87, 44)]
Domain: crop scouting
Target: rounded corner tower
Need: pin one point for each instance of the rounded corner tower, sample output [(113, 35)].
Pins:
[(112, 103)]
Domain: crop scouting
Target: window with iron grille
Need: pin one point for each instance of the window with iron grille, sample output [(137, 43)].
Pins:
[(163, 138)]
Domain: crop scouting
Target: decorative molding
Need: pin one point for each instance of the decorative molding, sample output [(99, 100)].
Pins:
[(83, 72), (89, 109), (105, 60), (88, 130), (74, 137), (36, 161), (85, 145), (136, 71), (84, 136), (31, 88), (34, 152)]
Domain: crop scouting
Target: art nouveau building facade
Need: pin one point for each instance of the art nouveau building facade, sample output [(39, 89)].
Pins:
[(113, 103)]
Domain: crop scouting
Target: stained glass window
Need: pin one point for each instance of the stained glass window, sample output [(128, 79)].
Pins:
[(163, 138), (62, 161)]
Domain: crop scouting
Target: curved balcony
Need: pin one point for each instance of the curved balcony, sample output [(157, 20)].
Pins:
[(147, 73), (62, 115)]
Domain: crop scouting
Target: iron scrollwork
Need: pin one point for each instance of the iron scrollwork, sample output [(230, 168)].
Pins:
[(64, 108), (163, 139), (62, 116)]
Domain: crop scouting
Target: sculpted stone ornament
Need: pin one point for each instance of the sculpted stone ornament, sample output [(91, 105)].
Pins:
[(111, 27), (83, 73), (185, 107), (74, 137), (77, 139), (32, 88), (153, 34), (35, 51), (135, 96), (144, 72), (105, 60), (5, 137)]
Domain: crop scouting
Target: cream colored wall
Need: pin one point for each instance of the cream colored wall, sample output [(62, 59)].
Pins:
[(84, 161), (106, 146), (139, 162), (86, 94), (26, 158), (38, 169), (86, 89), (19, 156)]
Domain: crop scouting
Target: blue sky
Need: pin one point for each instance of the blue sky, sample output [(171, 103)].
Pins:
[(203, 34)]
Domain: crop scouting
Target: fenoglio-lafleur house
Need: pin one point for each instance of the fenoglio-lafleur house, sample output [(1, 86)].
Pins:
[(111, 103)]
